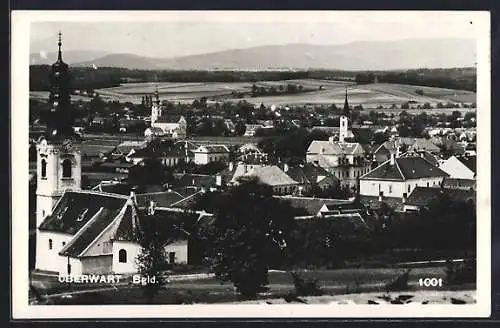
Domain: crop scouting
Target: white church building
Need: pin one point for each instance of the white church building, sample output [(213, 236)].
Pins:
[(174, 126)]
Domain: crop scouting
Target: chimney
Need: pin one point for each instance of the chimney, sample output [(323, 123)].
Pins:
[(405, 197), (132, 196), (380, 196), (285, 167), (218, 180), (231, 166), (393, 159)]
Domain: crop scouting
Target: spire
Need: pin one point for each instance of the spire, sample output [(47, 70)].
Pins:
[(346, 105), (59, 44)]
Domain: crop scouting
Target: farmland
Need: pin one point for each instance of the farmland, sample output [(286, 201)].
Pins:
[(316, 92)]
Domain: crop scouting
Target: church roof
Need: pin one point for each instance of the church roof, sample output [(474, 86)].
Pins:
[(77, 208), (169, 119)]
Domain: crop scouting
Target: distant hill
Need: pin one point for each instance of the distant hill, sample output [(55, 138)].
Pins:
[(376, 55), (71, 56)]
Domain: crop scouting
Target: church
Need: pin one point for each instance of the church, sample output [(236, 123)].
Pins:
[(173, 126), (83, 231), (345, 159)]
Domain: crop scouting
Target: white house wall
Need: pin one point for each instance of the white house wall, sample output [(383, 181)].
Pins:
[(97, 264), (180, 248), (396, 188), (49, 259)]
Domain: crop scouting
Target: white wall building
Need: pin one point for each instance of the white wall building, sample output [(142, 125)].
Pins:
[(211, 153), (460, 167), (399, 176)]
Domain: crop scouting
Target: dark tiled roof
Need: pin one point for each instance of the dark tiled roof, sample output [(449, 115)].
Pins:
[(162, 199), (469, 161), (422, 196), (452, 183), (405, 168), (311, 206), (80, 242), (76, 208)]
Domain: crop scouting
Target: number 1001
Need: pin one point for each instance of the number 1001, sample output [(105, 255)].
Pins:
[(430, 282)]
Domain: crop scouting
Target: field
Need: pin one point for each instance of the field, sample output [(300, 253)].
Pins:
[(320, 92)]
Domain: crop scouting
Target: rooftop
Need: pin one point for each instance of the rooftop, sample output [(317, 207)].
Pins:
[(404, 168)]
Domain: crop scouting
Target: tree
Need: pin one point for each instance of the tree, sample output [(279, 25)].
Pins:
[(154, 234), (252, 228)]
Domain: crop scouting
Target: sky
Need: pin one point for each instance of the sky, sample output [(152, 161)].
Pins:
[(184, 34)]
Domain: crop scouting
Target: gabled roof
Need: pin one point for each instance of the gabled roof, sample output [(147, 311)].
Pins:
[(76, 208), (162, 198), (270, 175), (334, 148), (212, 149), (311, 206), (404, 168), (308, 173)]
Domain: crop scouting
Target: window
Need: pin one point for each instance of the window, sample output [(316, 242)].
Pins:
[(43, 213), (122, 256), (66, 166), (50, 243), (427, 184), (390, 189), (44, 169), (409, 188), (63, 243), (171, 257)]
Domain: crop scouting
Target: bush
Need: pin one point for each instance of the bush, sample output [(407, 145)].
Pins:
[(305, 287), (461, 273)]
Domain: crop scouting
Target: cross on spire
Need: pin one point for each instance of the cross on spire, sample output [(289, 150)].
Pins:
[(59, 44)]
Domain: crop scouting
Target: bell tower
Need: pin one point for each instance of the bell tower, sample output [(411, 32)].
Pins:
[(156, 108), (58, 154), (344, 131)]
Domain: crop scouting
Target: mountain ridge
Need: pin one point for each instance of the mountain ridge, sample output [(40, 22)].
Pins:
[(362, 55)]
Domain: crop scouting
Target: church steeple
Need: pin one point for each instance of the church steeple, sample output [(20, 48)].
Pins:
[(59, 44), (346, 105), (60, 122)]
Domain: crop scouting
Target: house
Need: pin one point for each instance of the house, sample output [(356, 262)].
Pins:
[(421, 197), (167, 153), (309, 175), (317, 207), (345, 160), (205, 154), (128, 148), (399, 176), (383, 152), (250, 129), (91, 232), (464, 184), (271, 175), (460, 167)]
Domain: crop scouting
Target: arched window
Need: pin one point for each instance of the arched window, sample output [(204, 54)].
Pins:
[(122, 256), (66, 166), (50, 243), (44, 168)]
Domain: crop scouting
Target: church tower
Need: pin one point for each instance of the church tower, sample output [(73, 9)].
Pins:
[(156, 108), (58, 155), (344, 131)]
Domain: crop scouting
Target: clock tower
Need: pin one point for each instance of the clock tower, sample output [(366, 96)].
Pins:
[(58, 153)]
